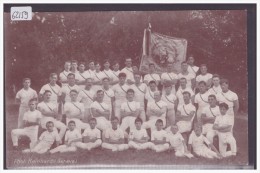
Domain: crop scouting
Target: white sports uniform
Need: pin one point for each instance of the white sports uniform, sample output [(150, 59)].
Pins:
[(193, 70), (179, 94), (46, 140), (71, 147), (215, 90), (170, 100), (114, 135), (102, 122), (63, 77), (30, 131), (169, 77), (202, 101), (152, 77), (152, 119), (91, 134), (98, 76), (149, 95), (120, 97), (108, 95), (129, 73), (204, 78), (139, 135), (176, 141), (185, 110), (55, 90), (49, 108), (80, 77), (24, 96), (188, 78), (229, 97), (207, 128), (66, 90), (74, 112), (199, 147), (226, 137), (115, 75), (109, 74), (139, 97), (159, 135), (91, 73), (129, 121), (86, 97)]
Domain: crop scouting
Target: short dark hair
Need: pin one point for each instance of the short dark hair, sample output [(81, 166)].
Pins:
[(47, 91), (105, 78), (223, 105), (71, 74), (203, 65), (100, 91), (216, 75), (159, 121), (224, 81), (72, 122), (202, 82), (183, 78), (152, 82), (114, 118), (82, 63), (184, 62), (186, 92), (138, 120), (213, 96), (49, 122), (151, 64), (130, 91), (122, 75), (24, 79), (93, 119), (73, 91)]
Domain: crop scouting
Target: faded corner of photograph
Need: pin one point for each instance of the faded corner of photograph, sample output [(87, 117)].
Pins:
[(126, 89)]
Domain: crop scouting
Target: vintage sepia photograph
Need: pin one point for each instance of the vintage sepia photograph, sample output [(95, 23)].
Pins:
[(129, 86)]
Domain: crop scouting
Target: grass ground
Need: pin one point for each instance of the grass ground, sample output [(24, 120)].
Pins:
[(98, 157)]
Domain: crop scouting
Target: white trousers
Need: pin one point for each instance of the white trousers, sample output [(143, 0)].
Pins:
[(224, 139), (27, 131), (207, 129), (59, 125), (139, 146), (128, 122), (89, 145), (179, 151), (22, 110), (204, 151), (159, 147), (41, 147), (115, 147), (64, 148)]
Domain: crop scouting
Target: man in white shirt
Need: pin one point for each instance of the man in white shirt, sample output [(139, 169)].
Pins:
[(114, 137), (228, 97), (98, 77), (190, 78), (115, 73), (108, 72), (224, 125), (185, 114), (91, 137), (208, 116), (109, 95), (140, 89), (128, 71), (74, 67), (216, 88), (31, 119), (204, 76), (82, 76), (101, 111), (53, 87), (192, 68), (152, 76), (63, 75), (120, 94), (22, 97), (74, 111), (169, 77), (130, 110), (155, 110), (65, 90), (92, 69), (183, 87), (49, 112), (87, 96), (149, 95), (201, 99)]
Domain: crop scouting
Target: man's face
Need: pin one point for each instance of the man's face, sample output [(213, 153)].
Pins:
[(212, 101), (74, 66), (71, 79), (215, 81), (107, 65), (67, 66), (88, 83), (116, 67), (130, 96), (72, 126), (81, 67), (190, 60), (174, 129), (32, 105), (222, 110), (168, 89), (137, 78), (92, 124), (169, 67), (183, 82), (49, 127), (100, 96), (122, 79), (91, 66), (135, 69), (184, 67), (186, 97), (27, 83), (159, 126), (53, 79), (138, 125), (114, 123), (105, 82), (128, 62), (73, 96), (224, 87), (157, 96), (152, 86), (151, 68), (198, 131), (47, 96), (203, 69), (97, 67), (202, 88)]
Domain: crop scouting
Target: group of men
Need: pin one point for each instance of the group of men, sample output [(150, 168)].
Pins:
[(116, 108)]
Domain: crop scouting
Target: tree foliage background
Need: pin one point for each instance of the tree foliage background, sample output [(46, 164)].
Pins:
[(38, 47)]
